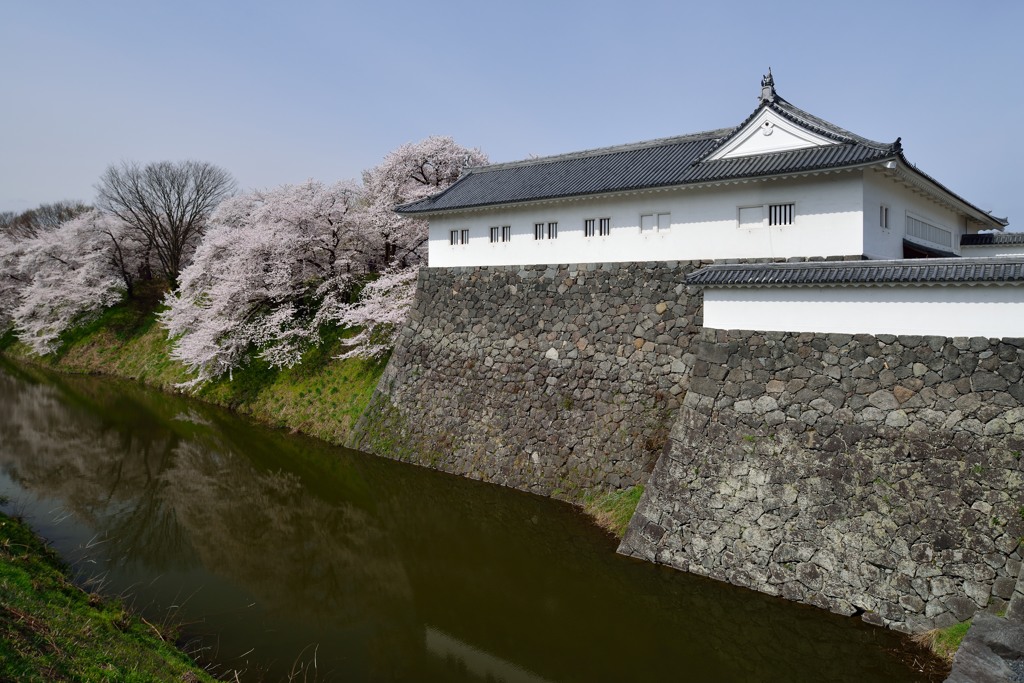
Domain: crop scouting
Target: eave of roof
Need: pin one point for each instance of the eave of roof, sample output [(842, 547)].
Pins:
[(978, 214), (932, 252), (952, 271)]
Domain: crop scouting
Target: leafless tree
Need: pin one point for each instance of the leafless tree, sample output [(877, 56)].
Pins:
[(45, 217), (166, 205)]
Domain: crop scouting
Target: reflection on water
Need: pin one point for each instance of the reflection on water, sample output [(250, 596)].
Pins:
[(278, 551), (486, 667)]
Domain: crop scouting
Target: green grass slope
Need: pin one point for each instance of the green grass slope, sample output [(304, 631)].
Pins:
[(50, 630), (322, 396)]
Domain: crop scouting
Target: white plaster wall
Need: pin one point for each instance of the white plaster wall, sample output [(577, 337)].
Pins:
[(880, 243), (949, 311), (828, 222), (992, 250)]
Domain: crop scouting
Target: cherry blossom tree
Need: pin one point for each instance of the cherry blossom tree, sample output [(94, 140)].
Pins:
[(271, 263), (379, 314), (12, 281), (65, 276), (275, 267), (411, 172)]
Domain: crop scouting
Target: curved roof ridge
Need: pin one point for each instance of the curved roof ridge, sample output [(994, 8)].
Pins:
[(794, 113), (787, 110)]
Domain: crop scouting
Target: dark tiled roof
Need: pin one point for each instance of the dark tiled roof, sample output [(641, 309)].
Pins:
[(811, 159), (907, 271), (645, 165), (674, 162), (657, 163), (667, 162), (983, 239)]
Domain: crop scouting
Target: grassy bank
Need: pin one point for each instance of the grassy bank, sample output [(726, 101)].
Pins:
[(613, 510), (944, 642), (50, 630), (322, 396)]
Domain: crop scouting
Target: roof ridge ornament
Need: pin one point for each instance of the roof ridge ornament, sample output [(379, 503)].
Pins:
[(768, 87)]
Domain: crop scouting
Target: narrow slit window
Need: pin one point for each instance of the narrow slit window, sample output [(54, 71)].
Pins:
[(465, 236), (538, 231), (494, 233), (883, 216), (588, 227), (606, 227), (780, 214), (506, 233), (552, 230), (453, 237)]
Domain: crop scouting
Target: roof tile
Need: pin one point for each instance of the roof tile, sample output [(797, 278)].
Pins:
[(987, 238), (1004, 270)]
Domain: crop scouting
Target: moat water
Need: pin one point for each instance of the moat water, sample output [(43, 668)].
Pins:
[(280, 554)]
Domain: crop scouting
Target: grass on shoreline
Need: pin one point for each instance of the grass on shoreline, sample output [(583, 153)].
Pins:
[(612, 511), (50, 630), (944, 642)]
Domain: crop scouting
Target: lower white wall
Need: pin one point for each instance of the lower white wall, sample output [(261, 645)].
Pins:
[(948, 311)]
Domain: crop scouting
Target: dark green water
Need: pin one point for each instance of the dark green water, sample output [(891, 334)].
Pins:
[(279, 552)]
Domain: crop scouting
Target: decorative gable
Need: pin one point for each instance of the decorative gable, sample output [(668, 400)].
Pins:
[(766, 133)]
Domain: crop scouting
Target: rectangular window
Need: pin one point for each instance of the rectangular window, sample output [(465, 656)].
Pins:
[(606, 227), (883, 216), (506, 233), (454, 237), (552, 230), (538, 231), (588, 227), (654, 222), (494, 234), (780, 214), (465, 236), (751, 217)]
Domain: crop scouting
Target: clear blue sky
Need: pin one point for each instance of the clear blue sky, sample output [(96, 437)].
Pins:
[(281, 92)]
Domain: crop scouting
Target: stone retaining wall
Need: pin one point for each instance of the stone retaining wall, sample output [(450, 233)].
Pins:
[(551, 379), (862, 474), (878, 475)]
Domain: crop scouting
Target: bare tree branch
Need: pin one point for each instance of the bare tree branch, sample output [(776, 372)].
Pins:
[(43, 218), (166, 204)]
